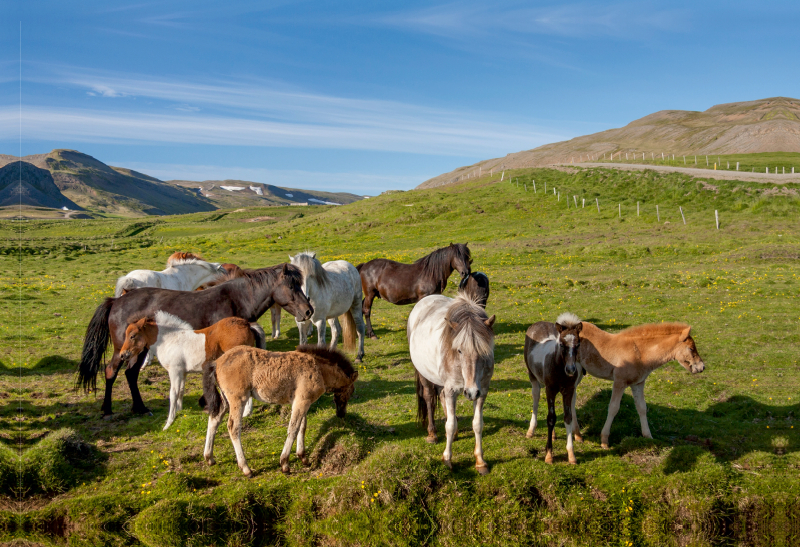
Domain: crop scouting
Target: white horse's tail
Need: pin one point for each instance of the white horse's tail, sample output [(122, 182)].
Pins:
[(348, 331), (124, 284)]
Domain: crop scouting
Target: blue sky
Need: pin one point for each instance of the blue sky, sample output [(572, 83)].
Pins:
[(364, 97)]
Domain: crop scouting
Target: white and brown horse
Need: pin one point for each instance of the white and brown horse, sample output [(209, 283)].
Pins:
[(451, 342), (181, 349), (627, 359), (297, 377), (184, 272), (551, 357)]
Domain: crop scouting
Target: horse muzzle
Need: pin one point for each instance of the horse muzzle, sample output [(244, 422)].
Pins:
[(697, 368)]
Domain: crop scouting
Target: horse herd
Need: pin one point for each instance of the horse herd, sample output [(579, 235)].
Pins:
[(198, 316)]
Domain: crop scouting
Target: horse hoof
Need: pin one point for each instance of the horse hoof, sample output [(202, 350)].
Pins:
[(211, 461), (373, 336), (548, 458), (248, 473), (108, 416), (529, 434), (285, 470), (431, 439), (604, 446), (449, 464), (359, 360), (573, 461), (305, 461), (483, 469), (578, 438)]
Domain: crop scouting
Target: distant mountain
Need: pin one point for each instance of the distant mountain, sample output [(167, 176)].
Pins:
[(240, 193), (766, 125), (98, 187), (22, 183)]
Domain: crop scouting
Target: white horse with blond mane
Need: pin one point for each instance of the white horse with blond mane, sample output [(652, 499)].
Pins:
[(184, 272)]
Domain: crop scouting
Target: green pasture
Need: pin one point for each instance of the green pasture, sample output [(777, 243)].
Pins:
[(757, 163), (722, 469)]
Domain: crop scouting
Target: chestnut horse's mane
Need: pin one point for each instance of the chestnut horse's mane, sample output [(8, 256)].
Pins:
[(650, 330), (177, 258)]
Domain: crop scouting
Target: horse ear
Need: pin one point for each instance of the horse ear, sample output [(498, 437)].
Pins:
[(314, 254), (290, 257), (685, 333), (560, 328), (489, 322), (578, 328), (285, 268)]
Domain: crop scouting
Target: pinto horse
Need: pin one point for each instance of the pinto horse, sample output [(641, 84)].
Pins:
[(451, 343), (551, 359), (400, 283), (627, 359), (297, 377), (184, 272), (247, 297)]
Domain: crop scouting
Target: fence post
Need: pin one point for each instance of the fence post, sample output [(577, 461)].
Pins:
[(534, 186), (502, 176), (583, 203), (575, 199), (658, 216), (684, 160), (737, 165), (598, 204), (683, 217), (619, 209), (716, 217)]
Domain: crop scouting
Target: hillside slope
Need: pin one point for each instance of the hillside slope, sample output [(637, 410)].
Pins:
[(222, 193), (24, 184), (766, 125)]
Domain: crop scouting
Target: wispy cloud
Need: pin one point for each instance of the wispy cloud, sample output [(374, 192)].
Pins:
[(263, 113)]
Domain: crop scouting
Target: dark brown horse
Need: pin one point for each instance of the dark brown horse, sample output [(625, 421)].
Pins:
[(476, 285), (247, 297), (400, 283)]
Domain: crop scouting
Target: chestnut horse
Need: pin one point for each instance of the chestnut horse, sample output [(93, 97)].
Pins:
[(400, 283), (297, 377), (627, 359), (551, 351), (181, 349), (247, 297)]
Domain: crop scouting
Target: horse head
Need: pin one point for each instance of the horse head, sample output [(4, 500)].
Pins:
[(468, 343), (342, 396), (569, 329), (686, 352), (461, 259), (288, 293), (139, 336)]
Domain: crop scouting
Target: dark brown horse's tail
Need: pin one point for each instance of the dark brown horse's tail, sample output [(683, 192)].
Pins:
[(359, 267), (95, 343), (259, 334), (211, 401), (422, 405), (348, 331)]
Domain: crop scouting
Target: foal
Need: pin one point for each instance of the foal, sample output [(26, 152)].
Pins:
[(297, 377), (627, 359), (551, 351), (181, 349)]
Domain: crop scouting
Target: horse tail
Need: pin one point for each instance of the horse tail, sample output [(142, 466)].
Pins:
[(359, 267), (259, 334), (124, 283), (422, 405), (211, 401), (95, 343), (348, 331)]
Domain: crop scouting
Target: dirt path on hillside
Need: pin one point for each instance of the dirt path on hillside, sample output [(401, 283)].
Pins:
[(719, 174)]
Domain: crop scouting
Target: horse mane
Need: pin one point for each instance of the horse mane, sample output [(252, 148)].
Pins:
[(435, 264), (266, 276), (177, 258), (335, 358), (165, 319), (471, 332), (311, 264), (568, 319), (651, 330)]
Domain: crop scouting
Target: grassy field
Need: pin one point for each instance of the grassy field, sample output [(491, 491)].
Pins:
[(784, 161), (722, 469)]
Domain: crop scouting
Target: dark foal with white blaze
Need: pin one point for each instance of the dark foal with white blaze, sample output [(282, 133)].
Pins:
[(551, 351)]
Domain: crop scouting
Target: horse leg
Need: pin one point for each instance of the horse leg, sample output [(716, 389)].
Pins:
[(132, 375), (112, 369), (336, 329), (613, 408), (569, 420), (551, 422), (451, 427), (235, 432), (211, 431), (576, 429), (321, 331), (299, 412), (302, 328), (429, 394), (358, 318), (477, 428), (176, 382), (275, 312), (301, 442), (536, 389), (366, 311), (641, 408)]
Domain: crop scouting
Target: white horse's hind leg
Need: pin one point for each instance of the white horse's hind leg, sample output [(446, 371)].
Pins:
[(302, 328), (336, 329), (176, 380), (477, 428), (536, 389), (451, 427), (275, 313), (321, 331), (641, 408)]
